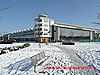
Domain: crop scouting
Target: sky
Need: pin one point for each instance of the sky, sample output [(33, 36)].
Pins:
[(21, 13)]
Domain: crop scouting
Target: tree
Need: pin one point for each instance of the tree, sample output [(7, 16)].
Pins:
[(97, 23), (1, 9)]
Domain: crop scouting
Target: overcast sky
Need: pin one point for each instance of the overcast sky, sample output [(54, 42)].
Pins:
[(22, 13)]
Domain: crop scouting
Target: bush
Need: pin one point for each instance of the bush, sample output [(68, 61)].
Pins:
[(2, 52), (26, 45), (13, 48), (9, 48)]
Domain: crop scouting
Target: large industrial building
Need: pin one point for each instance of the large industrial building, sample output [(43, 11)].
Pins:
[(71, 32), (45, 30)]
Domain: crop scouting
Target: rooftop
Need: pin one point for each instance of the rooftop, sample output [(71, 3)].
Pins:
[(74, 26)]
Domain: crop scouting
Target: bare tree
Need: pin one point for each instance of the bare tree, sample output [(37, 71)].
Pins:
[(2, 9), (97, 23)]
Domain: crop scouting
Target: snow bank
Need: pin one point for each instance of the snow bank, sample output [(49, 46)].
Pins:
[(10, 45)]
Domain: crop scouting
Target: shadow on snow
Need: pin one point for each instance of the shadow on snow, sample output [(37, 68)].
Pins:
[(22, 65)]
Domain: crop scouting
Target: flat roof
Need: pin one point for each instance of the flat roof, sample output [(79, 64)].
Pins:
[(43, 18), (73, 26)]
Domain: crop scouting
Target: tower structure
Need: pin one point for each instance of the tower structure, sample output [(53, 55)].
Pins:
[(43, 28)]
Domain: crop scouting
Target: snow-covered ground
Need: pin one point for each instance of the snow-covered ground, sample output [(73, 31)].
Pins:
[(10, 45), (19, 62), (89, 53)]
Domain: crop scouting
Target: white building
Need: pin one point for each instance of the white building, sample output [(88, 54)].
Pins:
[(42, 28), (46, 30)]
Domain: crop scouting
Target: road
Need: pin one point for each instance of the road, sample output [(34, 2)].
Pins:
[(76, 61)]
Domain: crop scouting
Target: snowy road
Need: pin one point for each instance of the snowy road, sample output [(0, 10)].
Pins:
[(75, 60)]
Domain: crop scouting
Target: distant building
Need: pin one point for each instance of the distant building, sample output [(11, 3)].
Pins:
[(23, 35), (45, 30)]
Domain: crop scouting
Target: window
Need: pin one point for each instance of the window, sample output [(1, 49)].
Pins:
[(35, 29), (40, 33), (46, 25), (40, 24), (39, 20), (45, 29), (45, 20), (45, 33), (39, 29), (35, 25)]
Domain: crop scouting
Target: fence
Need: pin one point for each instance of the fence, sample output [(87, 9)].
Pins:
[(88, 40)]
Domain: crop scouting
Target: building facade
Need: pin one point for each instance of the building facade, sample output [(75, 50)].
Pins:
[(42, 28), (23, 35), (45, 30), (68, 32)]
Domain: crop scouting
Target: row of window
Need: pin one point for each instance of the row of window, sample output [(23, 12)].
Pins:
[(46, 21), (40, 29), (40, 20), (41, 34), (22, 32), (21, 35), (45, 25)]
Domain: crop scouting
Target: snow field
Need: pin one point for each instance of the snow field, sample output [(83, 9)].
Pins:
[(19, 63), (89, 53)]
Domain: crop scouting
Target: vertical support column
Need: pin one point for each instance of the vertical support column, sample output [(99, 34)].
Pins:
[(91, 35), (59, 33), (8, 36), (53, 33), (99, 36), (56, 36), (24, 39)]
